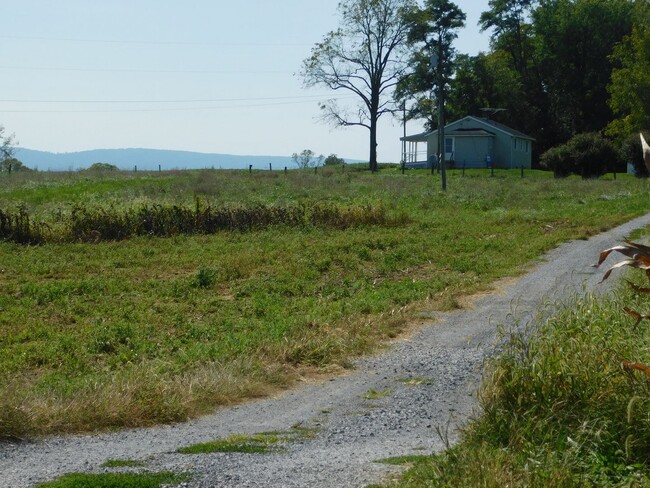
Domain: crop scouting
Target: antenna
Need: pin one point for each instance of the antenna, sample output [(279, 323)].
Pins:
[(489, 111)]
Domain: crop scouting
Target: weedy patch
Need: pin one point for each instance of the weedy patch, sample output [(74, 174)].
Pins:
[(262, 443), (116, 480), (415, 381), (373, 394), (403, 460), (122, 463)]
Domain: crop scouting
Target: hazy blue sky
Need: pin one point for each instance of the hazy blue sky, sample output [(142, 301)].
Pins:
[(202, 75)]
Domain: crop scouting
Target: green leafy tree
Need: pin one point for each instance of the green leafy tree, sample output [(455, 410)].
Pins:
[(575, 40), (510, 30), (630, 81), (486, 80), (514, 44), (12, 165), (334, 160), (432, 30), (365, 56)]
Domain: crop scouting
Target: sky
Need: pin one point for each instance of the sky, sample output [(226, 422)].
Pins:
[(214, 76)]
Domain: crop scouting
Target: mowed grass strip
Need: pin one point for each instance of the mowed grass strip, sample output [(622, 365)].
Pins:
[(150, 330)]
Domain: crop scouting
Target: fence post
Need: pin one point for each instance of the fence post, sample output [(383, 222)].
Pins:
[(463, 169), (9, 168), (270, 167), (159, 168), (522, 170), (135, 168), (492, 169), (285, 170), (250, 168), (315, 170), (403, 167)]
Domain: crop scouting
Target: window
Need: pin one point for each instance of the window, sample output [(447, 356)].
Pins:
[(449, 145)]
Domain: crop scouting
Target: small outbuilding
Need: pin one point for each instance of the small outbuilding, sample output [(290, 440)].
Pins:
[(471, 142)]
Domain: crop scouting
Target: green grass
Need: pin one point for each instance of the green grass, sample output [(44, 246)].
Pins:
[(122, 463), (558, 409), (262, 443), (148, 330), (116, 480)]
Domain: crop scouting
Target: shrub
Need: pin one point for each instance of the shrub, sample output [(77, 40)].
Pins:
[(103, 167), (631, 151), (588, 155)]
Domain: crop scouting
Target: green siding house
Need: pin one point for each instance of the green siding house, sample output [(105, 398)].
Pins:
[(471, 142)]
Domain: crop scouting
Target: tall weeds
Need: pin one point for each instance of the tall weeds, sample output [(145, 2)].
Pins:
[(94, 224)]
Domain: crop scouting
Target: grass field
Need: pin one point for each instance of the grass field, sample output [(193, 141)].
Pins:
[(138, 331)]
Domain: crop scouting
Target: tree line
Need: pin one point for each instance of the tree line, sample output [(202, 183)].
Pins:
[(558, 68)]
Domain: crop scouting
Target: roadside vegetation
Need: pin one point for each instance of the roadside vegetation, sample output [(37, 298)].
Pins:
[(104, 333), (563, 405)]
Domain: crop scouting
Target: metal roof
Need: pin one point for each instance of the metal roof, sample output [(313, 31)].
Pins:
[(470, 132)]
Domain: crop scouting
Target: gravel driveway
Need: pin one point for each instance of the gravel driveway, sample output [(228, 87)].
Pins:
[(390, 405)]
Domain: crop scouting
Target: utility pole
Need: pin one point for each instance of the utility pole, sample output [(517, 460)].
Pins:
[(404, 139), (441, 115)]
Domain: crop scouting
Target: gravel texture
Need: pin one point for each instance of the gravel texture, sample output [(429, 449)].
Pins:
[(425, 384)]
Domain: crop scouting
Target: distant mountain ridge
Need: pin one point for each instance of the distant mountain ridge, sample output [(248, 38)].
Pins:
[(146, 160)]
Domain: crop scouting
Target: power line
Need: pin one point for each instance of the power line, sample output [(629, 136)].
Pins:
[(208, 100), (169, 109), (127, 70), (156, 43)]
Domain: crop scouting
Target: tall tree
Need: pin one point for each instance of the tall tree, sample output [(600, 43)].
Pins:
[(575, 40), (433, 28), (514, 44), (510, 29), (486, 80), (365, 56), (630, 82)]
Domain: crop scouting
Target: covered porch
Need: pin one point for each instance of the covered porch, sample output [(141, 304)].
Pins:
[(415, 150)]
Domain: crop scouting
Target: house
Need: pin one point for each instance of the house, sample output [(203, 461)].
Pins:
[(471, 142)]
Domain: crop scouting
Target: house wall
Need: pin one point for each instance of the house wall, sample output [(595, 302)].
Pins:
[(521, 153), (471, 151)]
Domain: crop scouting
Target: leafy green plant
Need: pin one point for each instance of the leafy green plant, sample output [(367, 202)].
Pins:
[(205, 278)]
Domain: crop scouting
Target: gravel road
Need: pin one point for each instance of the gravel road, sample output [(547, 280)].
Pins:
[(426, 381)]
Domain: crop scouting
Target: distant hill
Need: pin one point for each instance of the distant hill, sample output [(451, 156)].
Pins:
[(145, 159)]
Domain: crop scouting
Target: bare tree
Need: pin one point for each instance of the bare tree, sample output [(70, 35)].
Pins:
[(366, 56), (305, 159)]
